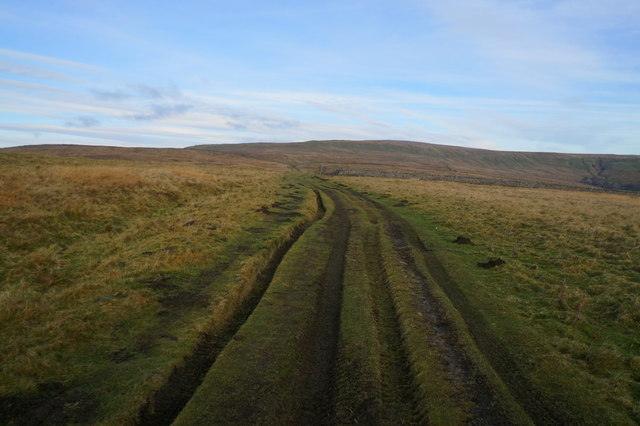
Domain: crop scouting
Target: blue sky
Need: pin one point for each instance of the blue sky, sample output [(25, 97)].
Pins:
[(526, 75)]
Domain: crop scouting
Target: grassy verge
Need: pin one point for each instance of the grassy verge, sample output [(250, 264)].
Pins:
[(563, 304)]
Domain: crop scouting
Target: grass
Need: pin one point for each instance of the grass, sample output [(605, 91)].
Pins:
[(374, 384), (359, 369), (112, 271), (437, 402), (258, 376), (566, 303), (110, 263)]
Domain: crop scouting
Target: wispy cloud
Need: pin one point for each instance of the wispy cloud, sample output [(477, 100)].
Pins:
[(161, 111), (42, 59), (38, 73), (111, 95), (151, 92), (83, 121)]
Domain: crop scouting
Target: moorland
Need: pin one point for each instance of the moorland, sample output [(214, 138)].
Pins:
[(326, 282)]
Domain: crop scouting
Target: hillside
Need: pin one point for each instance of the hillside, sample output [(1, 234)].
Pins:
[(619, 172), (158, 155), (608, 171)]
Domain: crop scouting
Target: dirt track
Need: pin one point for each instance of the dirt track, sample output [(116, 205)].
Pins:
[(324, 344)]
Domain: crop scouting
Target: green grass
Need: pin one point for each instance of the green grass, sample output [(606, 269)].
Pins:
[(359, 367), (564, 304), (255, 378)]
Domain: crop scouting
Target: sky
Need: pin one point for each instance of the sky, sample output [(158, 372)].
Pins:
[(518, 75)]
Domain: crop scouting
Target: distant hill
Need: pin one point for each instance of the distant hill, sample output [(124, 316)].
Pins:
[(161, 155), (620, 172)]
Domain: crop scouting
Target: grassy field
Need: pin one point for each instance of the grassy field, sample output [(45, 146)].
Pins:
[(105, 270), (566, 304), (203, 286)]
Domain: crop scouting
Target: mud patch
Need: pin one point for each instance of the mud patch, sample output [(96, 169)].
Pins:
[(492, 263), (184, 299), (52, 404), (121, 355), (150, 253), (462, 240), (286, 206), (110, 297), (287, 214)]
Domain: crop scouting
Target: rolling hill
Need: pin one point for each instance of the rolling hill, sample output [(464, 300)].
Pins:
[(607, 171), (388, 158)]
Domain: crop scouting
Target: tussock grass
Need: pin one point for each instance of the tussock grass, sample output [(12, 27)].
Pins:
[(78, 239), (566, 302)]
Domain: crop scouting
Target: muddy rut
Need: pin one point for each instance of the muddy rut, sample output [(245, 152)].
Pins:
[(322, 344)]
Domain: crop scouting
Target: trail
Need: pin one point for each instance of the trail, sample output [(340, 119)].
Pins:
[(334, 337), (459, 368), (171, 398), (322, 334)]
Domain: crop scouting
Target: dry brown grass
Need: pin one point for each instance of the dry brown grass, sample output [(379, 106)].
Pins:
[(74, 232), (158, 155)]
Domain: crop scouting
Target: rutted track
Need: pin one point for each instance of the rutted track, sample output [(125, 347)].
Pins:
[(347, 329), (424, 327), (321, 336), (170, 399), (468, 385), (278, 368)]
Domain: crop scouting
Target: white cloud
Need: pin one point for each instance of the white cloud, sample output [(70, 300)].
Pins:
[(42, 59)]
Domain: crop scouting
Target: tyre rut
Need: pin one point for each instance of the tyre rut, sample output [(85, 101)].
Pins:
[(461, 372), (322, 335), (538, 408), (470, 384), (373, 380), (290, 332), (398, 392), (168, 401), (279, 366)]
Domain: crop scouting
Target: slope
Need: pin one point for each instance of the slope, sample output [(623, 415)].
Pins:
[(607, 171)]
